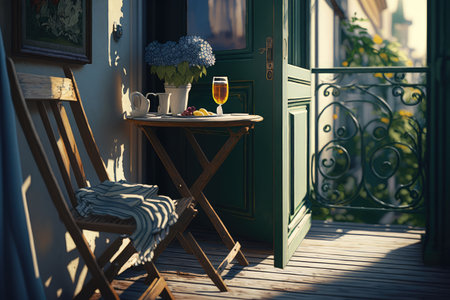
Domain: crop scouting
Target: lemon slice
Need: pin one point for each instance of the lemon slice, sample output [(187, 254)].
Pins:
[(210, 113), (204, 111), (198, 113)]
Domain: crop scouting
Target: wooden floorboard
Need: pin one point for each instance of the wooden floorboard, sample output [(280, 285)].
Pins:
[(335, 261)]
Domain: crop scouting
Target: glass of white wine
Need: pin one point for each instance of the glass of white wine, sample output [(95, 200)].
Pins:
[(220, 92)]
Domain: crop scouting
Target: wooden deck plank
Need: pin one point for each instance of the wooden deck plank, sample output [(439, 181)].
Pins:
[(316, 269), (358, 233), (325, 250), (378, 240), (335, 261), (368, 227), (298, 261), (261, 286), (345, 278), (268, 283)]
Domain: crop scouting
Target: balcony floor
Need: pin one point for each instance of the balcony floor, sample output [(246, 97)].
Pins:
[(335, 261)]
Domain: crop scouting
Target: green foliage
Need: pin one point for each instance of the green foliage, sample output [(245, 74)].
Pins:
[(403, 133), (366, 217), (404, 130), (361, 49), (182, 74)]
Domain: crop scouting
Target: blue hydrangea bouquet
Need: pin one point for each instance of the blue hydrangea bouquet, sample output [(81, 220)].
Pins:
[(180, 63)]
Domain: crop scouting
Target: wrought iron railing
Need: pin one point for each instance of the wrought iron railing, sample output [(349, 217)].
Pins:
[(370, 129)]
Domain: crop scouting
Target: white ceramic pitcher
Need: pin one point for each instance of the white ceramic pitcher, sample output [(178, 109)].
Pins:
[(164, 103), (140, 105)]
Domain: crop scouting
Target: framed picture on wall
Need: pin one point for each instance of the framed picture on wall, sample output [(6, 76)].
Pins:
[(58, 30)]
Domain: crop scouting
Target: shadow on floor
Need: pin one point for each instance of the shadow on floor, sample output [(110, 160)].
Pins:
[(338, 261)]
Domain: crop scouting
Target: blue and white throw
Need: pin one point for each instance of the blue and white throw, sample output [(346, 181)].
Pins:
[(153, 213)]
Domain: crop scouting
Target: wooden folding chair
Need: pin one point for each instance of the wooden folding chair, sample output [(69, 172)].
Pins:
[(57, 93)]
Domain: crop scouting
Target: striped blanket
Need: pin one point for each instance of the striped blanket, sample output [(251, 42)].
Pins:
[(153, 213)]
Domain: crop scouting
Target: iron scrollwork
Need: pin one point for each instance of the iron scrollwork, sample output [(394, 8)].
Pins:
[(370, 141)]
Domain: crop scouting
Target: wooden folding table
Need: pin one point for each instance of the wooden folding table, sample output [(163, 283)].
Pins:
[(237, 125)]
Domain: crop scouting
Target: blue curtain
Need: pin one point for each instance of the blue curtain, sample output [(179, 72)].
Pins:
[(18, 278)]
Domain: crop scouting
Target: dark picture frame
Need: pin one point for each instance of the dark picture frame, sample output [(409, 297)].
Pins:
[(58, 30)]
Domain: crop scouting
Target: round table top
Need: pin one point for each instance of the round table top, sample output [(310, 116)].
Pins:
[(226, 120)]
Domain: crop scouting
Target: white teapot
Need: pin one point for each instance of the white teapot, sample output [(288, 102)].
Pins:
[(140, 105)]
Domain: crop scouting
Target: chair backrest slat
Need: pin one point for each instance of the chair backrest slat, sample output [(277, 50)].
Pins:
[(65, 130), (54, 91), (85, 131), (37, 148), (39, 87), (60, 152), (52, 185)]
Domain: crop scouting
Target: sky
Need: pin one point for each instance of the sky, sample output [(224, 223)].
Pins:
[(415, 11)]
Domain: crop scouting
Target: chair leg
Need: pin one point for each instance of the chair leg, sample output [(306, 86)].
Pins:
[(183, 221), (166, 293), (157, 285), (184, 244), (110, 272), (99, 278)]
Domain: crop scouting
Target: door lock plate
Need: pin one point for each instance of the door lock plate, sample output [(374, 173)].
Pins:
[(269, 58)]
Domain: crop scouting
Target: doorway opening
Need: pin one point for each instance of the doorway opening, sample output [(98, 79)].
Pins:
[(370, 111)]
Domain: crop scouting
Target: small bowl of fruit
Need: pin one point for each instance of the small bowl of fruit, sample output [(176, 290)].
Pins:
[(192, 112)]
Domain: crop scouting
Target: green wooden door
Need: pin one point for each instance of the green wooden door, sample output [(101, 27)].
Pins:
[(254, 190), (437, 240), (292, 215), (293, 90), (241, 191)]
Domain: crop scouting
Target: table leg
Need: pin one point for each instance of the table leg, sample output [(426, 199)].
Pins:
[(221, 229), (206, 264), (209, 169), (167, 162), (218, 160), (186, 240), (171, 170)]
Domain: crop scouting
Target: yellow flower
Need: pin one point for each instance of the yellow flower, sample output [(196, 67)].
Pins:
[(384, 120), (379, 75), (361, 50), (403, 147), (389, 75), (409, 63), (345, 63), (335, 116), (405, 113), (394, 59), (384, 56), (377, 39)]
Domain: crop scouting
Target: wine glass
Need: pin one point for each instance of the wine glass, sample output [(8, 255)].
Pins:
[(220, 92)]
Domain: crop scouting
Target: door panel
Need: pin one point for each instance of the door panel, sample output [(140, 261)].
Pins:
[(299, 208), (241, 191), (261, 190), (232, 189), (292, 92), (298, 140), (293, 215)]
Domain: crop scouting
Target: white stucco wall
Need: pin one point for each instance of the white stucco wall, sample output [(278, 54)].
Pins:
[(104, 86), (325, 42)]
